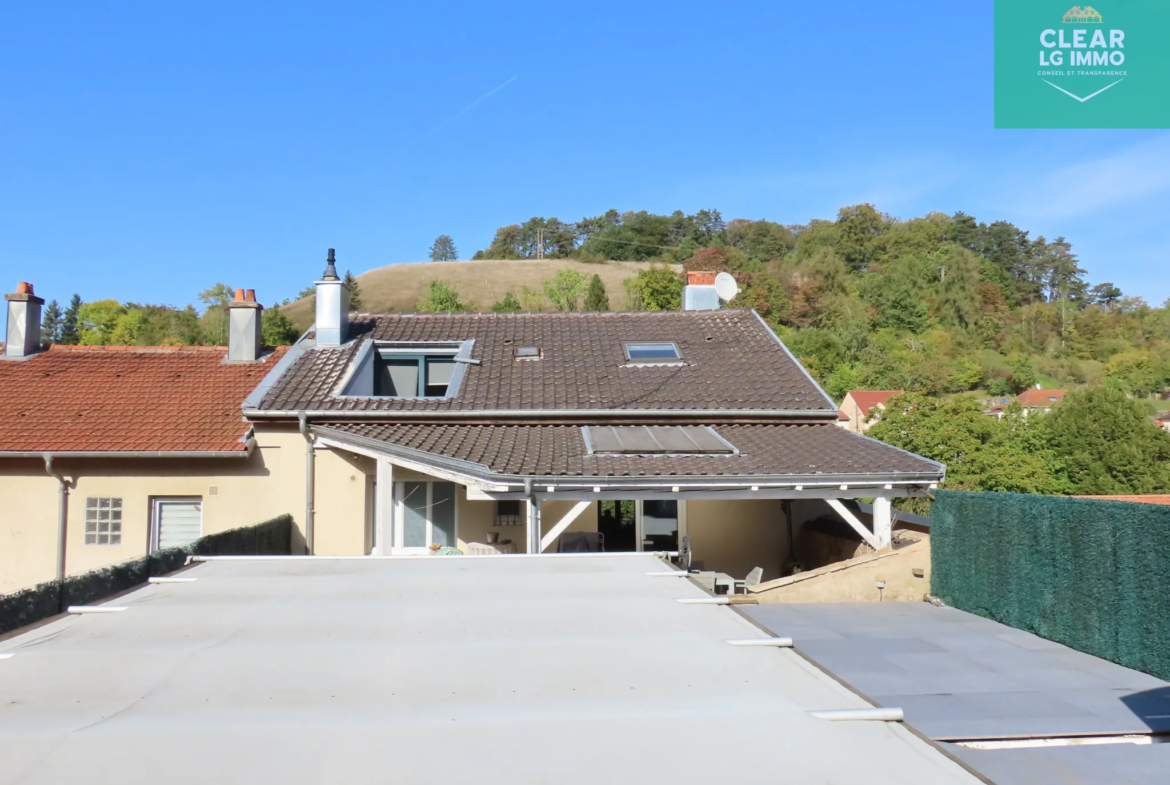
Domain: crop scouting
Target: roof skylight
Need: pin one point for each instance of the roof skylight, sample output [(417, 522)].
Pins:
[(652, 352)]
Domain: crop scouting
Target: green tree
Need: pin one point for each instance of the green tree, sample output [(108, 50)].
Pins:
[(841, 381), (355, 292), (443, 249), (440, 298), (657, 288), (97, 320), (595, 298), (958, 298), (565, 288), (981, 453), (71, 322), (507, 305), (1106, 444), (858, 229), (51, 324), (1023, 374), (530, 299), (277, 329)]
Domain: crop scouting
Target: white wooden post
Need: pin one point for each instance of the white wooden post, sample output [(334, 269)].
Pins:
[(858, 527), (533, 525), (383, 507), (882, 522), (563, 524)]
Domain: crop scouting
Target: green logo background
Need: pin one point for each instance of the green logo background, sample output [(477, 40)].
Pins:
[(1023, 100)]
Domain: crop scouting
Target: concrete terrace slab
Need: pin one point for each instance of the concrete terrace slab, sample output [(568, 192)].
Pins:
[(434, 669), (989, 681)]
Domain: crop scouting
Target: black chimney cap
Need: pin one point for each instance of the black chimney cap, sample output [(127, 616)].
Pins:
[(330, 271)]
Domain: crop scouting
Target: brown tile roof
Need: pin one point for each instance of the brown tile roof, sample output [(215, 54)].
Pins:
[(731, 362), (867, 399), (120, 399), (812, 451), (1034, 397)]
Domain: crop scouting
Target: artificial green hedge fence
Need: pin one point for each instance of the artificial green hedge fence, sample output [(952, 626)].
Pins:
[(1088, 573), (39, 602)]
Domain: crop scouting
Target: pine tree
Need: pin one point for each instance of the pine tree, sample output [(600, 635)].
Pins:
[(51, 324), (355, 291), (71, 322), (444, 249), (595, 297)]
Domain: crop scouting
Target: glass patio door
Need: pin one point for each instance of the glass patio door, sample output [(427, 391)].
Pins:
[(424, 515)]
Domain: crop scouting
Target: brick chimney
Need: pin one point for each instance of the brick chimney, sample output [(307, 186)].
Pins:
[(699, 294), (332, 306), (23, 336), (244, 338)]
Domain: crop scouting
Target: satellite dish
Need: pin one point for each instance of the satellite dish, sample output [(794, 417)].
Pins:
[(726, 287)]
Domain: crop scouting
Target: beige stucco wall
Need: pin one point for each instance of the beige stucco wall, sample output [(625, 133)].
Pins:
[(234, 491), (343, 504), (737, 535)]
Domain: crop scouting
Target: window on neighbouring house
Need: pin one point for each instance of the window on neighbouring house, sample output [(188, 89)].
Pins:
[(103, 521), (508, 512), (652, 352)]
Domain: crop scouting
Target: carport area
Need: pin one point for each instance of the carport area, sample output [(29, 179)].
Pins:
[(525, 669), (1019, 709)]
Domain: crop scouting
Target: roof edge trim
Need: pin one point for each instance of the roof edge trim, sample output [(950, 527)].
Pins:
[(257, 396), (796, 362), (396, 415)]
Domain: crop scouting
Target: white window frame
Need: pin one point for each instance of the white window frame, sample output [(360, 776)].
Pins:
[(639, 524), (398, 524), (156, 503)]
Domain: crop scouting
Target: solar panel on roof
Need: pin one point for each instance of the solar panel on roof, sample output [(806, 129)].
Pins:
[(655, 439)]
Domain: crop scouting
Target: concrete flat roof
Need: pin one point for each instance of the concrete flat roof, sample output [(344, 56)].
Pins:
[(568, 669)]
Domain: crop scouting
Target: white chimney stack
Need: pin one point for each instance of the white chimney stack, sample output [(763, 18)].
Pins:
[(700, 294), (244, 336), (23, 336), (332, 307)]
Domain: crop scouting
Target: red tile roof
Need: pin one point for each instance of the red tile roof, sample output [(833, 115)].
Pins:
[(126, 398), (867, 399), (1152, 498), (1034, 397)]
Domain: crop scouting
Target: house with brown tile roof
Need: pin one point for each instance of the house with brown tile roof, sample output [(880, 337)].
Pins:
[(1033, 399), (538, 432), (860, 409), (399, 434), (109, 451)]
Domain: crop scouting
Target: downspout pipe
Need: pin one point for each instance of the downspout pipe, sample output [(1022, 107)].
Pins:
[(532, 521), (310, 471), (62, 514)]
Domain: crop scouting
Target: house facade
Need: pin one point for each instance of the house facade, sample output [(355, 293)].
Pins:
[(401, 434), (860, 409)]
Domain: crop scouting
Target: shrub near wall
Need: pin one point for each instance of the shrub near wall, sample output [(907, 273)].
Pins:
[(273, 538), (1091, 574)]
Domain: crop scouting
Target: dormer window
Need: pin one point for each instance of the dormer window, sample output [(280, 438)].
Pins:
[(409, 369), (413, 375), (652, 352)]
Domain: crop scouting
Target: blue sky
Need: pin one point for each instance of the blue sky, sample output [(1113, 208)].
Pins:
[(151, 149)]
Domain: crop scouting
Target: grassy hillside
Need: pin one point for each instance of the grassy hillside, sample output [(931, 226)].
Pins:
[(399, 287)]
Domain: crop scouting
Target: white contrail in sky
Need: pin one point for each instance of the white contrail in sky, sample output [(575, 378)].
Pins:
[(460, 113)]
